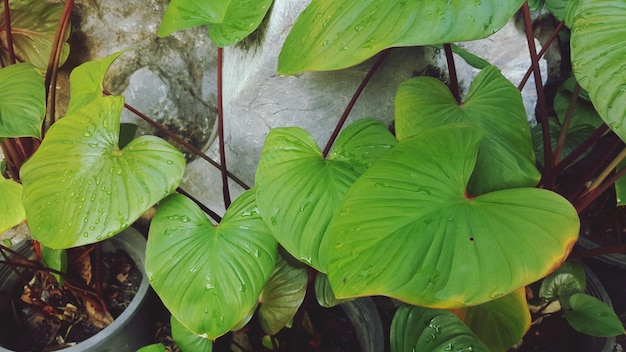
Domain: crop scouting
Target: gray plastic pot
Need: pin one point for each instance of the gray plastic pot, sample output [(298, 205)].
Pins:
[(130, 330)]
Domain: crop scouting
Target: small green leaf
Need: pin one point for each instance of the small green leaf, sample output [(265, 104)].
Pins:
[(80, 188), (505, 158), (335, 34), (229, 20), (584, 113), (187, 340), (324, 293), (22, 101), (407, 229), (620, 186), (500, 323), (33, 25), (471, 59), (282, 295), (55, 259), (11, 209), (598, 48), (566, 280), (298, 190), (222, 268), (156, 347), (86, 81), (422, 329), (593, 317)]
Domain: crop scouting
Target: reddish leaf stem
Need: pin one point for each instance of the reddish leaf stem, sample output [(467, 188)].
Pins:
[(543, 50), (566, 123), (204, 208), (220, 127), (9, 34), (541, 101), (454, 82), (355, 97)]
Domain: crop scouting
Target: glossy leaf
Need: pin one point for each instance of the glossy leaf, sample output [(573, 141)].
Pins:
[(11, 209), (187, 340), (407, 229), (505, 158), (229, 20), (566, 280), (500, 323), (335, 34), (593, 317), (22, 101), (282, 296), (86, 81), (298, 190), (422, 329), (471, 59), (557, 8), (33, 25), (598, 46), (221, 268), (80, 188), (324, 293)]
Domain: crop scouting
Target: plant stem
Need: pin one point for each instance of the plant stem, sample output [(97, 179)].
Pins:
[(181, 141), (204, 208), (7, 28), (541, 101), (454, 82), (355, 97), (543, 50), (53, 64), (566, 123), (583, 202), (604, 174), (220, 127)]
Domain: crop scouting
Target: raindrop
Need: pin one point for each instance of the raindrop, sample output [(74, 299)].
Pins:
[(344, 48), (359, 28), (424, 190), (86, 234), (93, 145), (170, 162), (305, 205), (99, 238), (325, 43)]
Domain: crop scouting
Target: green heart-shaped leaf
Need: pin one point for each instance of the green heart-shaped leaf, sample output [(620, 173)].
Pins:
[(506, 158), (187, 340), (598, 46), (422, 329), (11, 208), (230, 20), (33, 25), (500, 323), (335, 34), (593, 317), (209, 277), (407, 229), (22, 101), (576, 135), (282, 296), (80, 188), (566, 280), (298, 190)]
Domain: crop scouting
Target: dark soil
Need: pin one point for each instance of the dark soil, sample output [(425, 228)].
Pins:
[(47, 317)]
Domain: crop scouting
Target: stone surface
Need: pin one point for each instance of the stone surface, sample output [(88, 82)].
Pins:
[(172, 79)]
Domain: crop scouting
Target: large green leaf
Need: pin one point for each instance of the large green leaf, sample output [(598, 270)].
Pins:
[(298, 190), (80, 188), (335, 34), (408, 230), (506, 158), (593, 317), (282, 296), (187, 340), (230, 20), (11, 208), (583, 113), (576, 135), (598, 46), (22, 101), (500, 323), (33, 25), (422, 329), (209, 277)]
